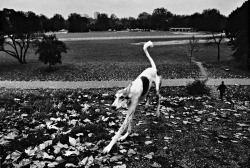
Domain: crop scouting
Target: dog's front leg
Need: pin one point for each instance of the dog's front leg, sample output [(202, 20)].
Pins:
[(117, 135), (131, 112), (126, 124), (130, 120)]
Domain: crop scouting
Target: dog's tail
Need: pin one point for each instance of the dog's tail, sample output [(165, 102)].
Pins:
[(146, 45)]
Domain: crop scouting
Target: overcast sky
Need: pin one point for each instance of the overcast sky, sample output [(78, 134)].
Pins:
[(121, 8)]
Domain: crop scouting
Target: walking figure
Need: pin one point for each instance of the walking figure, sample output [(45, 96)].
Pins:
[(222, 87)]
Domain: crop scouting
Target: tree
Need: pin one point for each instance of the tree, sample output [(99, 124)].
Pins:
[(77, 23), (132, 23), (215, 23), (192, 46), (128, 23), (144, 20), (178, 21), (18, 31), (57, 22), (115, 22), (102, 23), (216, 39), (45, 23), (212, 20), (160, 18), (237, 32), (194, 21), (49, 49)]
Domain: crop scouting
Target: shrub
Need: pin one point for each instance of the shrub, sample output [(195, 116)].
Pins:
[(49, 49), (198, 87)]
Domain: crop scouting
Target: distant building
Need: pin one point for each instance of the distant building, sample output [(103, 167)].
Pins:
[(96, 14), (63, 31)]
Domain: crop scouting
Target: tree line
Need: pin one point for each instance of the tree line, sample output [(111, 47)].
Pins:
[(160, 19)]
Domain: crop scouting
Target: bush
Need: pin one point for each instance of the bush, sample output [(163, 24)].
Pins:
[(49, 49), (198, 87)]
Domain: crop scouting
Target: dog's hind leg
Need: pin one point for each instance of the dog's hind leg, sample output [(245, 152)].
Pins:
[(147, 102), (158, 96)]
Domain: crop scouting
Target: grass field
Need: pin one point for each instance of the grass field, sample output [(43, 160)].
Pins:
[(225, 68), (118, 34), (117, 60), (70, 128), (110, 34), (101, 60)]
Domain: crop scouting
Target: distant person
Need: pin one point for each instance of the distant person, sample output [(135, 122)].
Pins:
[(222, 87)]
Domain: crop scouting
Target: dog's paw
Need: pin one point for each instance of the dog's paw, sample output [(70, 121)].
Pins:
[(123, 137), (107, 149)]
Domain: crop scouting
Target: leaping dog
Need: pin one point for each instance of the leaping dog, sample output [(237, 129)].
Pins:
[(130, 96)]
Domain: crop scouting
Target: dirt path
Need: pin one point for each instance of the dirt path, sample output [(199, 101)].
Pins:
[(202, 70), (175, 42), (108, 84), (138, 37)]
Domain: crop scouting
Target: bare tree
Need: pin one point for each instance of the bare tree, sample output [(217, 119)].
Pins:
[(192, 47), (216, 39), (17, 33), (19, 44), (215, 24)]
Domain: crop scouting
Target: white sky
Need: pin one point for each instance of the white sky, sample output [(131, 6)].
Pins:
[(121, 8)]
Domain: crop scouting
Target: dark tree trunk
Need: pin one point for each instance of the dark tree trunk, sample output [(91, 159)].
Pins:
[(191, 56), (21, 61), (24, 60), (218, 47)]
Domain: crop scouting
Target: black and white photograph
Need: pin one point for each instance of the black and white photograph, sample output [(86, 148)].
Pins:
[(124, 84)]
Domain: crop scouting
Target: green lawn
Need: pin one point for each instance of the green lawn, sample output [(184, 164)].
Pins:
[(225, 68), (115, 34), (119, 60), (101, 60)]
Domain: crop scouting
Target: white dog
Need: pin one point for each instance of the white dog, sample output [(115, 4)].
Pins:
[(130, 96)]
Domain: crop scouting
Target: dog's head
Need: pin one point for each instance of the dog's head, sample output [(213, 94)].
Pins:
[(122, 99)]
